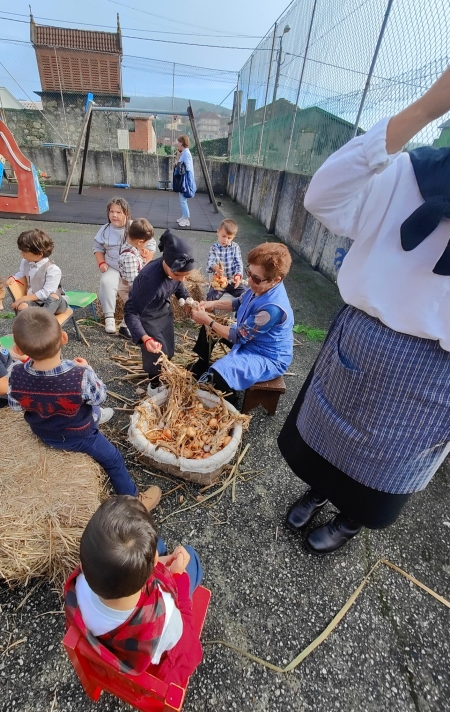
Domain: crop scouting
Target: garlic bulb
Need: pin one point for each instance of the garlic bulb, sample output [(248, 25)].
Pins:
[(189, 301), (181, 302)]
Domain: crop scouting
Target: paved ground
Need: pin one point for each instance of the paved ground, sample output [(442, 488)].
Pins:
[(270, 597), (161, 207)]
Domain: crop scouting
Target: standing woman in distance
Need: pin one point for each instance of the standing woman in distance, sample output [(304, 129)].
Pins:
[(184, 171)]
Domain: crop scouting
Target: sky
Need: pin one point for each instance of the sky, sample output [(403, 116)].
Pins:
[(199, 21)]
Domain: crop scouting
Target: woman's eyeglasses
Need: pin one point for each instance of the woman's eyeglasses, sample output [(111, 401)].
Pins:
[(254, 277)]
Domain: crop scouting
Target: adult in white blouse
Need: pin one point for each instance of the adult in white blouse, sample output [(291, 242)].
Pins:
[(371, 424)]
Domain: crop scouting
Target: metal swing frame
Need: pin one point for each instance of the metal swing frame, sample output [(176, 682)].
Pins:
[(86, 132)]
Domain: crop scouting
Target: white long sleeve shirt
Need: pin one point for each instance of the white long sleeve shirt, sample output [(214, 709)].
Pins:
[(52, 278), (365, 194)]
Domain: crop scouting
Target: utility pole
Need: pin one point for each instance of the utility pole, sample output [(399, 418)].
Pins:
[(279, 57)]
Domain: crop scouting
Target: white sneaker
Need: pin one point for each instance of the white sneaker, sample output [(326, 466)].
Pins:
[(110, 325), (180, 219), (105, 415), (185, 222), (153, 391)]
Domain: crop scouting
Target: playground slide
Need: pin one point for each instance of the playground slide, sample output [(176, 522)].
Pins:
[(30, 198)]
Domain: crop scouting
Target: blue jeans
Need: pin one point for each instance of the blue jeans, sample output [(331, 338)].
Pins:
[(184, 206), (193, 569), (105, 453)]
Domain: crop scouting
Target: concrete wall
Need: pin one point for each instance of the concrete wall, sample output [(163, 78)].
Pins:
[(106, 168), (276, 199)]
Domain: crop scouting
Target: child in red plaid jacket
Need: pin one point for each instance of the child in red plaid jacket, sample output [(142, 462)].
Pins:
[(130, 603)]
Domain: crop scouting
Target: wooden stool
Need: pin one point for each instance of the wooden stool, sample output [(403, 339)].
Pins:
[(266, 393)]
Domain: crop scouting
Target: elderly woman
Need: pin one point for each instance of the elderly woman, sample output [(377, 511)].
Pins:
[(371, 424), (262, 342)]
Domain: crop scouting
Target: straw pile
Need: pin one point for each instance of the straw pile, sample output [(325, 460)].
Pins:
[(46, 499), (184, 426)]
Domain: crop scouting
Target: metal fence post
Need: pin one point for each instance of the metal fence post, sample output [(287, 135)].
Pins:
[(246, 103), (372, 65), (300, 82), (267, 92)]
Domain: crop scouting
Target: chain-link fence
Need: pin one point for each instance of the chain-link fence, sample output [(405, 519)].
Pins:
[(43, 92), (307, 87)]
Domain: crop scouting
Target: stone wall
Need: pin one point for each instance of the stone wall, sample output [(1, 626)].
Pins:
[(60, 125), (276, 199)]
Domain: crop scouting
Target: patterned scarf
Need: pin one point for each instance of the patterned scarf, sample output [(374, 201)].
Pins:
[(130, 647)]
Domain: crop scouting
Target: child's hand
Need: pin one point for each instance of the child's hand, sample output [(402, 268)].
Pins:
[(180, 559), (237, 279), (103, 267), (152, 346), (80, 361), (147, 254)]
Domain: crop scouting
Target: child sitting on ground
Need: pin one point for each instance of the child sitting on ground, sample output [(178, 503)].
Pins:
[(42, 276), (225, 261), (61, 399), (135, 253), (134, 602)]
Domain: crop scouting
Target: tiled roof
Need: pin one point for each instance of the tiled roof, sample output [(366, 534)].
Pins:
[(76, 39)]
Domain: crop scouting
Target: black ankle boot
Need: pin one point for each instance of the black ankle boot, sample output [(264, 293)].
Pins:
[(332, 535), (304, 509)]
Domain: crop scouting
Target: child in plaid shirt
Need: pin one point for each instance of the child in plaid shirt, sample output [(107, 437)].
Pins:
[(135, 253), (225, 260)]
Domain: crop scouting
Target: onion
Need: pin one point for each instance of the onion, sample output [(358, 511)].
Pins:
[(191, 432), (206, 448), (213, 423), (187, 453), (227, 440)]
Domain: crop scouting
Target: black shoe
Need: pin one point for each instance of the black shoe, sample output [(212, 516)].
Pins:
[(303, 510), (124, 333), (332, 535)]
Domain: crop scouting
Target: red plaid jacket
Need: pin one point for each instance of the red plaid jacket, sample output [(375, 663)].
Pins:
[(130, 647)]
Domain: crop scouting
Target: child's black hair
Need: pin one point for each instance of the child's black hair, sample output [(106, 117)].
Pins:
[(118, 547)]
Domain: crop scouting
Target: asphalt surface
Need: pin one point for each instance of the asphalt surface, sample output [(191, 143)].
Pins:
[(269, 597)]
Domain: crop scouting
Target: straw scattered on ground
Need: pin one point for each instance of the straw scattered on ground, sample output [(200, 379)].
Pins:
[(46, 499)]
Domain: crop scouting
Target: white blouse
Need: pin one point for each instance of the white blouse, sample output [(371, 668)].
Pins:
[(365, 194)]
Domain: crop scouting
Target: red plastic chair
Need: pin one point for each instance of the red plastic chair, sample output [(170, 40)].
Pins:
[(144, 692)]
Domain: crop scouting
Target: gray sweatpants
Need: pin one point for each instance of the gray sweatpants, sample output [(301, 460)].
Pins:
[(109, 284)]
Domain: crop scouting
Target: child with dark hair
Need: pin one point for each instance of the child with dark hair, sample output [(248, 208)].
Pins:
[(130, 602), (42, 276), (61, 399), (135, 253), (107, 245)]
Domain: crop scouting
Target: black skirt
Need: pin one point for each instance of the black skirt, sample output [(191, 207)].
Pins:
[(158, 323), (371, 508)]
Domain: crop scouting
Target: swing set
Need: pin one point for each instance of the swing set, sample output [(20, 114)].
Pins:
[(85, 133)]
